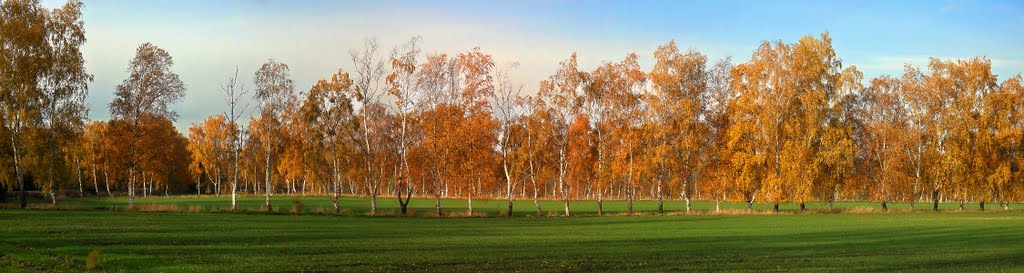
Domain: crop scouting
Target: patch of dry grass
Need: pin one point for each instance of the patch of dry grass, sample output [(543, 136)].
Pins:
[(156, 208)]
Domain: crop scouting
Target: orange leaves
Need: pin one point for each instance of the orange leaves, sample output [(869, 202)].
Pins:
[(208, 143), (475, 68), (612, 99), (963, 85), (785, 93), (167, 163), (789, 125), (884, 125), (581, 157), (458, 146), (679, 136)]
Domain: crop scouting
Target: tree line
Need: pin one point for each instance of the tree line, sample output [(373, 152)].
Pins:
[(791, 125)]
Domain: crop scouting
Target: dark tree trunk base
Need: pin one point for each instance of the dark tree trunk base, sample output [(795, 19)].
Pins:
[(509, 209)]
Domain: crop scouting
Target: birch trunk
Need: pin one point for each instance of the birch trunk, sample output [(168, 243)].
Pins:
[(234, 176), (95, 185), (78, 173), (508, 185), (131, 187), (17, 162), (437, 200), (335, 199), (373, 202), (566, 207), (687, 202), (630, 193), (533, 179), (661, 200), (718, 203), (266, 179), (106, 182)]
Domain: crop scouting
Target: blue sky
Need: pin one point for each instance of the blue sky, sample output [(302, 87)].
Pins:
[(208, 39)]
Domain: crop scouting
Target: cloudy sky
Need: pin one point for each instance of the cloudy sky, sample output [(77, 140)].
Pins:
[(208, 39)]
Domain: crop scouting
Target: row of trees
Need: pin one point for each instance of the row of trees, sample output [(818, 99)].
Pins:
[(789, 125), (43, 85)]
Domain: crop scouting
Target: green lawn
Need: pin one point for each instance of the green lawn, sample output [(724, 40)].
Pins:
[(59, 241)]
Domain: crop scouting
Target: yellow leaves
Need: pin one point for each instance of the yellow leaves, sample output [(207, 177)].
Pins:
[(208, 143), (788, 95)]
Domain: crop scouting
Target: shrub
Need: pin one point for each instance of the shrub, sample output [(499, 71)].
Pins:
[(195, 208), (298, 207)]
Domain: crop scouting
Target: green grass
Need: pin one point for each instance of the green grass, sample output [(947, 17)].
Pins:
[(59, 240)]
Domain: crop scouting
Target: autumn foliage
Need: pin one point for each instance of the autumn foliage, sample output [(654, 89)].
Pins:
[(792, 124)]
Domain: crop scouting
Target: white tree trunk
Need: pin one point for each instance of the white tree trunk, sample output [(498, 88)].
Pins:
[(131, 187), (106, 182), (78, 173), (95, 185), (17, 164), (267, 177)]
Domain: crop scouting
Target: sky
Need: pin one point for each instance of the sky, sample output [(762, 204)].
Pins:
[(209, 39)]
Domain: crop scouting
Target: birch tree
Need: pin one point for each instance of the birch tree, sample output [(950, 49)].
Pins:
[(720, 96), (402, 85), (883, 126), (679, 83), (43, 84), (438, 79), (149, 90), (962, 85), (274, 91), (559, 94), (234, 93), (368, 89), (611, 99), (921, 142), (506, 101), (329, 112)]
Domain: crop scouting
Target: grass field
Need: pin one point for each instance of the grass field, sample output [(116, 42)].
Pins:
[(59, 240)]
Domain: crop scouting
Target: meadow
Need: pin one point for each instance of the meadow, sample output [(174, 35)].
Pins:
[(208, 239)]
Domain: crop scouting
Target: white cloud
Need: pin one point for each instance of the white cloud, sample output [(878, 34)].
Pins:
[(894, 65)]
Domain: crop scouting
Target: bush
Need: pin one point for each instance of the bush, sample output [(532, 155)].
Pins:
[(195, 208), (298, 207)]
